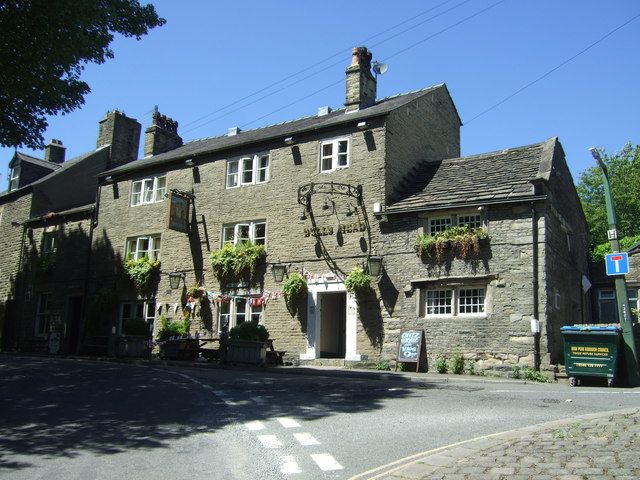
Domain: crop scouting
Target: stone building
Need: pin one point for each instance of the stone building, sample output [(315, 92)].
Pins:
[(334, 192)]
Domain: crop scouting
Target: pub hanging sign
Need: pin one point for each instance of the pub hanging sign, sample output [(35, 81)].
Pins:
[(178, 215)]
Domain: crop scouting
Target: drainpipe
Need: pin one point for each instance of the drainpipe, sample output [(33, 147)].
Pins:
[(87, 270), (535, 284)]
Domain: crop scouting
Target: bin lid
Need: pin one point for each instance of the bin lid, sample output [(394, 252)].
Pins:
[(590, 328)]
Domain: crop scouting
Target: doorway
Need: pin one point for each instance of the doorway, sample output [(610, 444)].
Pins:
[(333, 324), (74, 315)]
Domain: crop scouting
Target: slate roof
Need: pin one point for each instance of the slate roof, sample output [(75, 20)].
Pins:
[(477, 179), (277, 131), (23, 157)]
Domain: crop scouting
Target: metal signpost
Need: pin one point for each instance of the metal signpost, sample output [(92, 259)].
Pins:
[(618, 261)]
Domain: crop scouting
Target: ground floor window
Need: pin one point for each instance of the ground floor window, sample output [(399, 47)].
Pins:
[(232, 311), (43, 315), (466, 300), (136, 310), (608, 305)]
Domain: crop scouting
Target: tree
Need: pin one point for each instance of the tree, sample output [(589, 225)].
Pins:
[(44, 47), (624, 177)]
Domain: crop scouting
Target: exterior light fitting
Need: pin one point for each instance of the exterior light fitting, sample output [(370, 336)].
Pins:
[(289, 141), (189, 162), (363, 125), (108, 179), (174, 280), (374, 265), (279, 271)]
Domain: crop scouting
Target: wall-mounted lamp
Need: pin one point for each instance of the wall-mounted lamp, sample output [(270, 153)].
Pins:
[(174, 279), (189, 162), (377, 207), (289, 141), (363, 125), (279, 271), (108, 179), (374, 265)]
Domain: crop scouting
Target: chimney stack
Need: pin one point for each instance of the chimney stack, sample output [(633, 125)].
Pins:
[(54, 152), (122, 134), (162, 135), (361, 84)]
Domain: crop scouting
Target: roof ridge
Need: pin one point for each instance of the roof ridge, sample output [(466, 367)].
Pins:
[(494, 152)]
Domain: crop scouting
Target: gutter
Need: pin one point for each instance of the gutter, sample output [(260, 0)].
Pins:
[(530, 198)]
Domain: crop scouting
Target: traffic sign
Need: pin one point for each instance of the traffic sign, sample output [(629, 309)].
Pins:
[(617, 263)]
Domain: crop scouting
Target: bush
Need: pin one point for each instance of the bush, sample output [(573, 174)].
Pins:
[(249, 330), (357, 282), (457, 363), (441, 365), (515, 372), (178, 328), (136, 326)]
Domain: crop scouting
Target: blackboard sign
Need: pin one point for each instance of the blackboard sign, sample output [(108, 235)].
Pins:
[(410, 346)]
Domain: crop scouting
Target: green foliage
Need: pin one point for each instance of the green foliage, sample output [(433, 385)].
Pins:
[(534, 375), (457, 363), (293, 287), (472, 369), (465, 242), (105, 300), (515, 372), (624, 177), (441, 365), (178, 328), (195, 291), (46, 263), (383, 365), (136, 326), (357, 282), (44, 48), (143, 272), (599, 251), (240, 261), (249, 330)]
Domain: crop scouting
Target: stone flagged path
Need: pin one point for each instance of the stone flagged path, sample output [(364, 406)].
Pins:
[(601, 446)]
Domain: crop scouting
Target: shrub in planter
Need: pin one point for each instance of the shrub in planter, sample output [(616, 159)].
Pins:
[(357, 282), (293, 288), (240, 261), (143, 272), (177, 328), (249, 330)]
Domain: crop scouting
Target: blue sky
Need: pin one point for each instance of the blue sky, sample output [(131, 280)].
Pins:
[(211, 56)]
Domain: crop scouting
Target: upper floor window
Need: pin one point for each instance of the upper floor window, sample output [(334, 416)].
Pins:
[(439, 224), (149, 246), (49, 243), (255, 232), (148, 190), (453, 301), (248, 170), (14, 178), (334, 154)]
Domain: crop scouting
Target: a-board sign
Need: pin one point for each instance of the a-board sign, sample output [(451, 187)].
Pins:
[(410, 346)]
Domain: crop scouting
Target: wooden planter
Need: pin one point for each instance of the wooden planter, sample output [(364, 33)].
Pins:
[(131, 346), (181, 349), (246, 351)]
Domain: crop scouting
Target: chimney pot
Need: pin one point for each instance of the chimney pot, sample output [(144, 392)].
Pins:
[(162, 135)]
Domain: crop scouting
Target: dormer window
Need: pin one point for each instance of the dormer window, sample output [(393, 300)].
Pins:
[(14, 178), (334, 154), (148, 190), (248, 170)]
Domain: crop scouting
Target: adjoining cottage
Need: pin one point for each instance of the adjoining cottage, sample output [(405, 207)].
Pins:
[(474, 250)]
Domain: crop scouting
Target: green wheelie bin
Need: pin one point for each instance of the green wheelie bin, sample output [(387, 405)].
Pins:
[(591, 351)]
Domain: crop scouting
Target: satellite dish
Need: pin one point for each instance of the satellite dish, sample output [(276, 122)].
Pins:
[(379, 68)]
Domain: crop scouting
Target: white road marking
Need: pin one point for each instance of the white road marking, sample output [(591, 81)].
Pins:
[(306, 439), (269, 441), (326, 462), (289, 465), (260, 400), (225, 398), (288, 422), (254, 426)]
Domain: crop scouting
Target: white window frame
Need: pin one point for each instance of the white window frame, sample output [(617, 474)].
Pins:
[(334, 158), (148, 310), (49, 243), (439, 223), (239, 307), (135, 247), (471, 220), (249, 170), (43, 314), (252, 229), (449, 299), (14, 177), (148, 190)]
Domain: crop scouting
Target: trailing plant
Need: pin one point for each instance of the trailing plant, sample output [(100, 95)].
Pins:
[(293, 287), (250, 330), (464, 240), (457, 363), (176, 328), (136, 326), (441, 365), (143, 271), (239, 260), (195, 291), (357, 282)]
